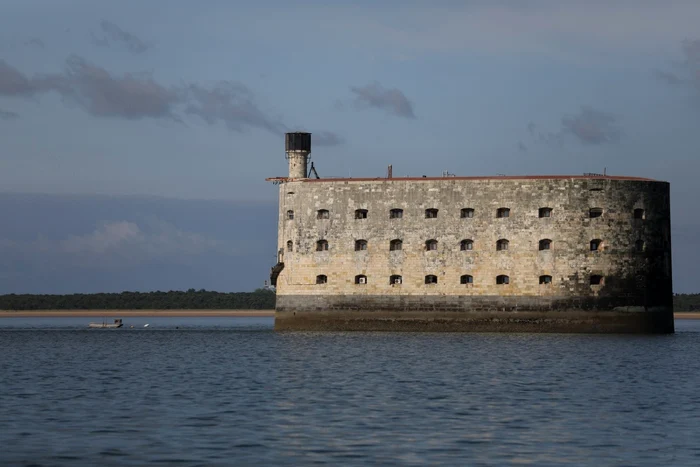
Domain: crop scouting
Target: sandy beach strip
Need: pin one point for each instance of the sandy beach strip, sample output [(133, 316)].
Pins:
[(134, 313)]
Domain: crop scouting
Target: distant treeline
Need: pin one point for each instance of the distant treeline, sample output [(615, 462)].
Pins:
[(686, 302), (261, 299)]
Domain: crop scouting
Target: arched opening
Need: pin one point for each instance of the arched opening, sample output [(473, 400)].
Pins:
[(545, 244), (466, 279), (502, 212), (502, 244), (431, 279), (396, 214), (431, 213), (595, 212), (597, 279), (639, 214), (431, 245), (395, 280), (502, 280), (466, 213), (360, 279), (360, 245), (466, 245), (321, 279), (596, 244), (290, 245), (639, 246), (545, 280), (545, 212), (360, 214), (290, 215), (323, 214), (322, 245), (395, 245)]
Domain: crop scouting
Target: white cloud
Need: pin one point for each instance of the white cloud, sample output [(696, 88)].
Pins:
[(119, 243)]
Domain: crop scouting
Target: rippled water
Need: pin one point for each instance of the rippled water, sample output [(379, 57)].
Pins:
[(218, 391)]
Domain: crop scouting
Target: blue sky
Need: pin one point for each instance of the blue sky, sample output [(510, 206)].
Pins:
[(189, 101)]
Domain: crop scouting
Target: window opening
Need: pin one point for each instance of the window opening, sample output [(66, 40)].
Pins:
[(360, 279), (431, 245), (545, 244), (467, 213), (323, 214), (360, 214), (431, 213), (502, 212), (502, 245), (466, 245), (360, 245), (290, 245), (466, 279), (596, 280), (545, 212), (502, 280), (639, 214), (430, 279), (596, 244), (639, 246), (396, 214), (395, 280), (321, 279), (322, 245), (545, 279), (290, 215), (395, 245), (595, 212)]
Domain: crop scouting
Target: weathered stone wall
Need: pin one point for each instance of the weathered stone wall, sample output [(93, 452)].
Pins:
[(632, 280)]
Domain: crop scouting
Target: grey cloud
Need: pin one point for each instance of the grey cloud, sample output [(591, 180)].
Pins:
[(13, 82), (231, 103), (8, 115), (687, 72), (35, 42), (592, 126), (589, 126), (327, 138), (392, 101), (117, 34), (101, 94), (668, 77), (130, 96), (99, 41), (139, 95)]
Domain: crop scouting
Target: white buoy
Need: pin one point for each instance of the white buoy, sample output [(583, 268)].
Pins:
[(145, 325)]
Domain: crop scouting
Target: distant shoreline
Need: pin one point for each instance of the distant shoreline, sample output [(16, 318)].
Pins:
[(180, 313), (133, 313)]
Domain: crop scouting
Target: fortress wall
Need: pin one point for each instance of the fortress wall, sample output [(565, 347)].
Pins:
[(633, 281)]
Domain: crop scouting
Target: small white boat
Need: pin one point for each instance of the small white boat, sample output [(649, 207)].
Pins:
[(117, 324)]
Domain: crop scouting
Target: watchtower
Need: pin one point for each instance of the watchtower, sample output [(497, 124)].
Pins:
[(297, 145)]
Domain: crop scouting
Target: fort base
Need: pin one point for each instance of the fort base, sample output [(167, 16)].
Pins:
[(575, 321)]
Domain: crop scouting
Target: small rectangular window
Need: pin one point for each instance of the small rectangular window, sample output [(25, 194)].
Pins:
[(595, 212), (396, 214)]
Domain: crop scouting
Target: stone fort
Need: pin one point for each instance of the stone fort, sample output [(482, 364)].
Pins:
[(589, 253)]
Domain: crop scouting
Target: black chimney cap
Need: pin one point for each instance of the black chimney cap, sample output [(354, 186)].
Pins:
[(297, 141)]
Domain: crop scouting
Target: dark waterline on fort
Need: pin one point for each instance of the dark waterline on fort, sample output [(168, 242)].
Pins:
[(218, 391)]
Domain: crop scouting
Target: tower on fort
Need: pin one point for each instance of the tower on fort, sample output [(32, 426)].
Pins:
[(297, 145)]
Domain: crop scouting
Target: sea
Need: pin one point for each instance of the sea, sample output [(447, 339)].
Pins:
[(231, 391)]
